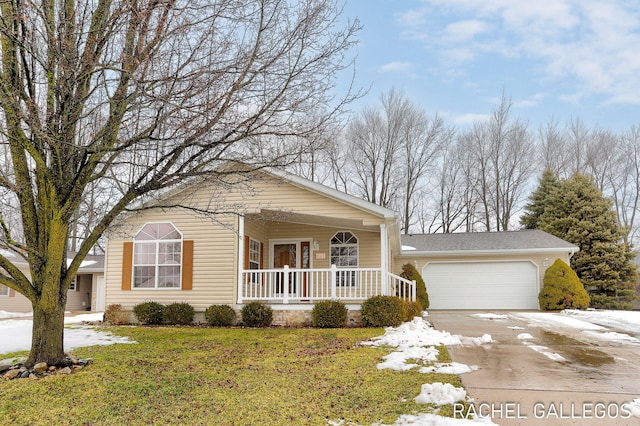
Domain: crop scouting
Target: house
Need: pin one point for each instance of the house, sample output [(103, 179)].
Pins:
[(484, 270), (274, 237), (86, 293)]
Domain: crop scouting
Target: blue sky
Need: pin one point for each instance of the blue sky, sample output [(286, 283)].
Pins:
[(558, 59)]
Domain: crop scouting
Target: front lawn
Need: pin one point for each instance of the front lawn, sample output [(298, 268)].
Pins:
[(223, 376)]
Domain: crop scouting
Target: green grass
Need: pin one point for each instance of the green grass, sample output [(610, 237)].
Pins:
[(222, 376)]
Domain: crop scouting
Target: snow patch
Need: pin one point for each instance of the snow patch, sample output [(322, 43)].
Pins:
[(612, 336), (515, 327), (398, 360), (633, 407), (544, 351), (491, 316), (486, 338), (448, 368), (435, 420), (548, 320), (5, 314), (16, 334), (417, 332), (524, 336), (440, 394)]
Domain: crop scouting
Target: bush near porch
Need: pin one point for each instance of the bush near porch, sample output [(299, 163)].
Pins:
[(224, 376)]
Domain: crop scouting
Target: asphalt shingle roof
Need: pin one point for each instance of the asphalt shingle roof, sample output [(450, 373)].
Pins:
[(484, 241)]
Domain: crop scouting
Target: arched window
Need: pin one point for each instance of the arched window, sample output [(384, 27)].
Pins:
[(344, 254), (157, 254)]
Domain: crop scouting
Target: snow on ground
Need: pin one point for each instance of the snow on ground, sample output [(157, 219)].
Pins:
[(582, 322), (524, 336), (5, 314), (622, 320), (633, 407), (440, 394), (491, 316), (545, 351), (415, 341), (16, 333)]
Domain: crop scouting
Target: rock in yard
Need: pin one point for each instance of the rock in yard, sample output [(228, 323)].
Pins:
[(40, 367), (65, 370), (12, 374)]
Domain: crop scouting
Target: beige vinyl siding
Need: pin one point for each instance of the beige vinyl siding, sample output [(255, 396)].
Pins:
[(80, 299), (214, 261), (15, 303), (538, 259), (368, 242), (265, 192)]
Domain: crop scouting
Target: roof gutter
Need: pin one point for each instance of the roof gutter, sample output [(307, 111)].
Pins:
[(446, 253)]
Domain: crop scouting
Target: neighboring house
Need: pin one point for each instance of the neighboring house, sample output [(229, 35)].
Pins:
[(87, 293), (289, 242), (484, 270)]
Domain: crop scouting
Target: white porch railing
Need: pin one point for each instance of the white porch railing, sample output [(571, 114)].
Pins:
[(289, 285)]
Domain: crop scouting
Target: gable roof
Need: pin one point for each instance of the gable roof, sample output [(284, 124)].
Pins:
[(92, 263), (468, 243)]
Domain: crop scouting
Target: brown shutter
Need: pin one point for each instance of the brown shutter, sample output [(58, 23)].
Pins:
[(12, 293), (246, 252), (77, 282), (187, 264), (127, 262)]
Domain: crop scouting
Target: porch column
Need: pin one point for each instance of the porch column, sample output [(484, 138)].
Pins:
[(384, 259), (240, 255)]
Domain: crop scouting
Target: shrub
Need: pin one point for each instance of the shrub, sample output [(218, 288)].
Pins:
[(116, 315), (409, 272), (329, 314), (149, 312), (411, 310), (382, 311), (220, 315), (178, 313), (256, 314), (562, 289)]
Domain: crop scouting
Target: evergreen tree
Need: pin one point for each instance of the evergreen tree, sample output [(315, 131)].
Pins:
[(562, 289), (577, 212), (538, 200)]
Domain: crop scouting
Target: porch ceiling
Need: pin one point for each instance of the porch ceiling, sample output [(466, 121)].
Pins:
[(309, 219)]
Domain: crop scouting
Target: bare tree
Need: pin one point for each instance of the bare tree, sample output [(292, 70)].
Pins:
[(144, 95), (555, 154), (374, 138), (422, 140), (504, 154)]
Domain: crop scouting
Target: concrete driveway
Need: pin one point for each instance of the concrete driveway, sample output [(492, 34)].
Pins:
[(553, 376)]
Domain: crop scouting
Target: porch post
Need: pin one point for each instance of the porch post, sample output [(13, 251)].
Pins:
[(384, 259), (240, 255)]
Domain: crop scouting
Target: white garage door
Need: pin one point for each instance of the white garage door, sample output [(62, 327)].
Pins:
[(481, 285)]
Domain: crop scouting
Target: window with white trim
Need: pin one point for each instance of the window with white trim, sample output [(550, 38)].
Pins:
[(344, 254), (255, 254), (157, 256), (74, 283), (4, 290)]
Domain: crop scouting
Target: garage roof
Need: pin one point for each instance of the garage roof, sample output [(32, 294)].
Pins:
[(530, 240)]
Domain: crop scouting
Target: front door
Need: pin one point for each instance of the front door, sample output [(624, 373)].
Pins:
[(285, 254)]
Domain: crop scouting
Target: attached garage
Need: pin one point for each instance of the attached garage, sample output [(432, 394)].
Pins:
[(482, 285), (483, 270)]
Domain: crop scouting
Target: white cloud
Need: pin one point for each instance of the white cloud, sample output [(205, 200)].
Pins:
[(395, 66), (590, 46)]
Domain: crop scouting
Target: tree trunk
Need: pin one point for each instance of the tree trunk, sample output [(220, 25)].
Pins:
[(48, 332)]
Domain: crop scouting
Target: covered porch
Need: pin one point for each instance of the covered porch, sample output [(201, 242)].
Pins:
[(350, 285), (289, 258)]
